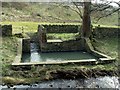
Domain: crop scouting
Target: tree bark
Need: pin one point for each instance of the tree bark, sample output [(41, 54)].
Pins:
[(86, 25)]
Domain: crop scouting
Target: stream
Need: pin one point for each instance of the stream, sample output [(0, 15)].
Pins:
[(60, 84)]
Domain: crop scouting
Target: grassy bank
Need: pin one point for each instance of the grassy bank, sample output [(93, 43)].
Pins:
[(52, 12)]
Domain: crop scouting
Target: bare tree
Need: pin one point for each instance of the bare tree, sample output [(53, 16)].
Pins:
[(87, 9), (100, 9), (104, 9)]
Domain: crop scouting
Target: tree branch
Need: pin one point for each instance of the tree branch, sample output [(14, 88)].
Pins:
[(100, 7), (80, 13), (108, 14)]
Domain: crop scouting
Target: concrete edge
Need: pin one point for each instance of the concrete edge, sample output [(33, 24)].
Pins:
[(102, 57), (19, 52), (58, 62)]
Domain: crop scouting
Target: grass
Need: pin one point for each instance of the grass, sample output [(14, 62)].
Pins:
[(108, 46), (107, 26), (62, 36), (19, 27), (8, 52), (40, 73), (37, 12), (54, 12)]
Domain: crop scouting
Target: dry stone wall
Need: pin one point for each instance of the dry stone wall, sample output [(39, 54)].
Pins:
[(6, 30), (71, 45), (61, 28), (105, 32)]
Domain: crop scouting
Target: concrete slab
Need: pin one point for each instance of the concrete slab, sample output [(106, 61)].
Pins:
[(54, 40), (58, 62)]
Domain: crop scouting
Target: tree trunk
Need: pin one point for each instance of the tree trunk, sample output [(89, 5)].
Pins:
[(86, 25)]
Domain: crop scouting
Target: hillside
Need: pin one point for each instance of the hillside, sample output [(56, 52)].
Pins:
[(46, 12), (37, 12)]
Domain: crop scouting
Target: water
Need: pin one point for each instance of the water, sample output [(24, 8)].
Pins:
[(34, 53), (36, 56), (101, 82)]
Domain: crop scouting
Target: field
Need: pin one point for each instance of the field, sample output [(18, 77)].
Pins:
[(44, 12)]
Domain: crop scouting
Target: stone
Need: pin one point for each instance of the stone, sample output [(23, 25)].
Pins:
[(26, 45), (6, 30)]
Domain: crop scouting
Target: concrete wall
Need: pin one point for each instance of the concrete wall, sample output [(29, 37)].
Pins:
[(26, 45), (72, 45), (19, 51), (42, 36), (6, 30), (105, 32)]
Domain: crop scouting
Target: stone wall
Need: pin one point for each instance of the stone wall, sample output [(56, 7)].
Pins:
[(42, 36), (6, 30), (105, 32), (26, 45), (61, 28), (71, 45)]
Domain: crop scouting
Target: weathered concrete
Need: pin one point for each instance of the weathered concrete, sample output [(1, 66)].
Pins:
[(26, 45), (86, 61), (42, 37), (19, 52), (102, 58), (71, 45), (55, 40)]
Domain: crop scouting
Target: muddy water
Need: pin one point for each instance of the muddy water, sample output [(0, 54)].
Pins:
[(101, 82)]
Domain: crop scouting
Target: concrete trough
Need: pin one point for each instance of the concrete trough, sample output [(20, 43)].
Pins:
[(48, 46), (101, 58)]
